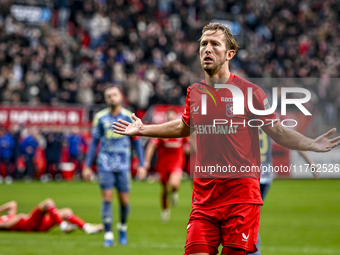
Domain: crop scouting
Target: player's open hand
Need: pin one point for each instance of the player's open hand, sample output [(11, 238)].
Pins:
[(323, 144), (126, 128)]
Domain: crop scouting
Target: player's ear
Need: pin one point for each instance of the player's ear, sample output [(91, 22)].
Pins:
[(230, 54)]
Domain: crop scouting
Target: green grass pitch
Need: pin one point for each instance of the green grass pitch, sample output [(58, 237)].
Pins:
[(299, 217)]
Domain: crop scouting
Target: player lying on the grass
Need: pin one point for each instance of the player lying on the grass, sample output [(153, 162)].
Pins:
[(42, 218), (170, 162)]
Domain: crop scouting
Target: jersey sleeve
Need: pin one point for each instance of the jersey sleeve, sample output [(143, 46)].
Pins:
[(97, 128), (96, 132), (187, 117), (261, 102)]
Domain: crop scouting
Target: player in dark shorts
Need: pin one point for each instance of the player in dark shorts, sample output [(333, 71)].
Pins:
[(113, 162)]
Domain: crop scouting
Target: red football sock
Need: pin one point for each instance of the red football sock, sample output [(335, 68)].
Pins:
[(76, 220), (53, 211), (165, 201)]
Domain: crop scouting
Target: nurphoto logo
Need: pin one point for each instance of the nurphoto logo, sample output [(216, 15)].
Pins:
[(236, 104)]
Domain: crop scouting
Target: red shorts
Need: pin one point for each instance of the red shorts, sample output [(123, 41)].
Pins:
[(164, 174), (36, 221), (233, 226)]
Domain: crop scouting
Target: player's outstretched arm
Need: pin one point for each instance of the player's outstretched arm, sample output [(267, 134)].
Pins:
[(171, 129), (10, 208), (294, 140)]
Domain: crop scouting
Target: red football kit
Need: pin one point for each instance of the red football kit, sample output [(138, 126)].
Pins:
[(225, 202), (36, 221), (170, 156)]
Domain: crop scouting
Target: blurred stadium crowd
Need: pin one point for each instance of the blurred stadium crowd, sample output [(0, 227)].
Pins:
[(150, 47), (29, 153)]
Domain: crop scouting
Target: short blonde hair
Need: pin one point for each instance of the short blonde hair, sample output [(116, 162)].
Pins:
[(230, 40)]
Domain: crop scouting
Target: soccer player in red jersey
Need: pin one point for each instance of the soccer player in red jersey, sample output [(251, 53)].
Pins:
[(225, 210), (170, 162), (42, 218)]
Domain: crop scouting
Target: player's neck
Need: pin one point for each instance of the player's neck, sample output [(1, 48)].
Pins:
[(115, 110), (220, 77)]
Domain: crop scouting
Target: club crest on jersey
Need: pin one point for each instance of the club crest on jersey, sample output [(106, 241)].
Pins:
[(229, 110)]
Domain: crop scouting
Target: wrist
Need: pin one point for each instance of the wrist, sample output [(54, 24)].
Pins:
[(310, 146), (139, 132)]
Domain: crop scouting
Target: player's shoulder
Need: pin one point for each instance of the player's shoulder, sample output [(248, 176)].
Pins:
[(102, 113), (126, 114), (243, 83), (198, 84)]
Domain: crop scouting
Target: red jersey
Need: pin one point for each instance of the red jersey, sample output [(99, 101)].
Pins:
[(6, 218), (170, 154), (232, 143)]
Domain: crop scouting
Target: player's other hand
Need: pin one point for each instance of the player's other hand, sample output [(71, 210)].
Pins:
[(147, 165), (141, 173), (314, 169), (323, 144), (126, 128), (87, 173)]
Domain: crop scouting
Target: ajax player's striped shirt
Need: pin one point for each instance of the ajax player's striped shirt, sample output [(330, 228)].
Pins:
[(115, 149)]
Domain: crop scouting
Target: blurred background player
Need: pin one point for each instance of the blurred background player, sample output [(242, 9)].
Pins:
[(42, 218), (113, 162), (266, 145), (7, 144), (170, 162)]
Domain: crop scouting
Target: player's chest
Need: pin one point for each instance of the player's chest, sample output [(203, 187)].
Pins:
[(107, 121), (218, 108), (108, 132)]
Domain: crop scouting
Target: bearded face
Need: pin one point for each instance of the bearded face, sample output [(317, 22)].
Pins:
[(213, 51)]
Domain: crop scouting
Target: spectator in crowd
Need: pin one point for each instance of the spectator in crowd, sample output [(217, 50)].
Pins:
[(16, 131), (6, 153), (54, 142), (75, 142), (150, 47), (28, 147)]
